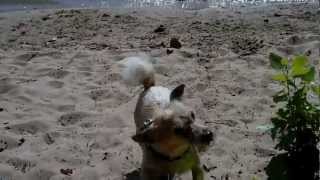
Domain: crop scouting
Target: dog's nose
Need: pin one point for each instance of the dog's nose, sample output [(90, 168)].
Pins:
[(207, 136)]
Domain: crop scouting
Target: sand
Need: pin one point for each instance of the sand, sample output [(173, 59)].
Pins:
[(65, 113)]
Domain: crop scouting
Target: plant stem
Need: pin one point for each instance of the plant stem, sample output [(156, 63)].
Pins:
[(286, 71)]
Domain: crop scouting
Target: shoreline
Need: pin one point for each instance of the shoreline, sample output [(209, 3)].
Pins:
[(4, 8)]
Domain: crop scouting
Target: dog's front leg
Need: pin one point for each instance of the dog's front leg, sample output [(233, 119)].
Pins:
[(197, 173)]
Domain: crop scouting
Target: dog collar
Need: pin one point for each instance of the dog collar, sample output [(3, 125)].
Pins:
[(165, 157)]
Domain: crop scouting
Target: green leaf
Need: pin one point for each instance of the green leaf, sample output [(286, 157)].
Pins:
[(310, 76), (299, 66), (316, 89), (275, 61), (280, 77), (284, 62), (300, 61), (299, 71)]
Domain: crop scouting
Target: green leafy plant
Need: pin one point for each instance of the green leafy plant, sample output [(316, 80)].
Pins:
[(296, 124)]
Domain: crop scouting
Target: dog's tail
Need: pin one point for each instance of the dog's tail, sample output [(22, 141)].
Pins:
[(138, 71)]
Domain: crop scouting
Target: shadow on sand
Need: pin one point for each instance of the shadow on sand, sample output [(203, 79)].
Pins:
[(278, 169), (304, 166)]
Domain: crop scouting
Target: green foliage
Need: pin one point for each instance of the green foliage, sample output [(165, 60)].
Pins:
[(296, 116)]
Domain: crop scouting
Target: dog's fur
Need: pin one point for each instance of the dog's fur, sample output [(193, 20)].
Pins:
[(165, 127)]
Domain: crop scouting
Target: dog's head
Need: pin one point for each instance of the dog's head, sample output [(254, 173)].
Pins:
[(174, 129)]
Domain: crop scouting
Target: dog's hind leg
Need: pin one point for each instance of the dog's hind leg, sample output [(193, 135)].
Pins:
[(197, 173)]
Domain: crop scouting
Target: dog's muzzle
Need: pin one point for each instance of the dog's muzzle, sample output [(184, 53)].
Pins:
[(206, 137), (197, 136)]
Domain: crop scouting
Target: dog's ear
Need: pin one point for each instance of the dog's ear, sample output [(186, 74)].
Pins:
[(177, 93), (146, 136)]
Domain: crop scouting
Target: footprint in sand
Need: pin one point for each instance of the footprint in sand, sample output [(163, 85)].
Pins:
[(297, 40), (60, 177), (114, 97), (52, 54), (50, 137), (7, 142), (302, 45), (84, 70), (308, 49), (88, 173), (22, 165), (6, 86), (23, 59), (210, 103), (98, 94), (38, 173), (294, 40), (3, 145), (2, 54), (31, 127), (163, 70), (114, 77), (58, 73), (24, 99), (71, 118), (66, 108), (198, 87), (56, 84)]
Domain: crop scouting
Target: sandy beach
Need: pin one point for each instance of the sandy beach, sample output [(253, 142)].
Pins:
[(65, 114)]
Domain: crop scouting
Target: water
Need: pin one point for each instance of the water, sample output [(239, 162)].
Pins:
[(15, 5)]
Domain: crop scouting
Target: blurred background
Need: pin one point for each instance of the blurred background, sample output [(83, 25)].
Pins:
[(13, 5)]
